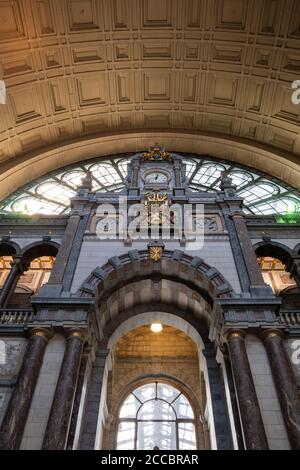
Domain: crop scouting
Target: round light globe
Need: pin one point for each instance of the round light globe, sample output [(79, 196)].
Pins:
[(156, 327)]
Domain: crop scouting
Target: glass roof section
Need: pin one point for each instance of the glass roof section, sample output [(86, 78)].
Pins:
[(51, 194)]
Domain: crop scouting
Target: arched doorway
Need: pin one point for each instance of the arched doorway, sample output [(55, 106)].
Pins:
[(156, 415)]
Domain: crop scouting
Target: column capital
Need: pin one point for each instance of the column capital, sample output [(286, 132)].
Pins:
[(45, 333), (235, 333), (271, 333), (135, 164), (234, 213), (76, 333)]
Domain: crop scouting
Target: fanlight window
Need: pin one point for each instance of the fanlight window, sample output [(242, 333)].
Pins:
[(156, 415), (52, 194)]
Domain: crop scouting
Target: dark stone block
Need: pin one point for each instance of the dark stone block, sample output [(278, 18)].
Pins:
[(196, 261)]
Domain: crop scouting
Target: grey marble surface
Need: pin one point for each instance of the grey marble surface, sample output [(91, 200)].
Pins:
[(11, 354)]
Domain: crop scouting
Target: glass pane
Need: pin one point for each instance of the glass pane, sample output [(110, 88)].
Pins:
[(280, 206), (73, 178), (151, 434), (126, 436), (208, 174), (156, 409), (240, 178), (258, 192), (183, 408), (186, 436), (106, 174), (190, 168), (166, 392), (123, 166), (31, 205), (55, 191), (145, 392), (130, 407)]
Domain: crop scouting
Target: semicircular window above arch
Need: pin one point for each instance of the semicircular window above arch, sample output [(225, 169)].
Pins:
[(51, 194), (156, 415)]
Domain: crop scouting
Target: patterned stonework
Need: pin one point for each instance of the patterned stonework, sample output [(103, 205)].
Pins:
[(11, 355)]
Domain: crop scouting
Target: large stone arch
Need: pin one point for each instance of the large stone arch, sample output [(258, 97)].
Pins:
[(178, 285), (192, 277)]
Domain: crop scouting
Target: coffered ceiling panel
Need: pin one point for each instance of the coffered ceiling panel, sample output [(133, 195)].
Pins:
[(81, 68)]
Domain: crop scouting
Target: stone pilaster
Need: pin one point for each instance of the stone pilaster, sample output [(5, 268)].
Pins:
[(95, 390), (257, 284), (219, 408), (16, 414), (55, 283), (252, 423), (233, 399), (77, 399), (286, 385), (177, 171), (17, 268), (135, 173), (60, 415)]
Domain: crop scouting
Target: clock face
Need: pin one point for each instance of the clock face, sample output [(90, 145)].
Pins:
[(156, 177), (106, 226)]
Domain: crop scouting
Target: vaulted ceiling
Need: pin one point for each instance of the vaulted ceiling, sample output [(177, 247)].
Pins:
[(90, 77)]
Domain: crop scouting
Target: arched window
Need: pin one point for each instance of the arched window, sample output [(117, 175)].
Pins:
[(156, 415), (51, 194)]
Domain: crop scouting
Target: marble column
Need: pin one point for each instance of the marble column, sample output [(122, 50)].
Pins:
[(16, 414), (177, 173), (56, 434), (286, 385), (252, 423), (17, 269)]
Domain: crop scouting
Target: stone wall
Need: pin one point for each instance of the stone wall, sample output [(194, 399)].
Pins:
[(216, 252)]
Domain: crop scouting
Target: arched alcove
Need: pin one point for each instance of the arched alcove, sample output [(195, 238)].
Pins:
[(275, 264), (174, 355)]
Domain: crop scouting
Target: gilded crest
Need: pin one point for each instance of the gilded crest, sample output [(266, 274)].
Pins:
[(156, 252), (157, 154)]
